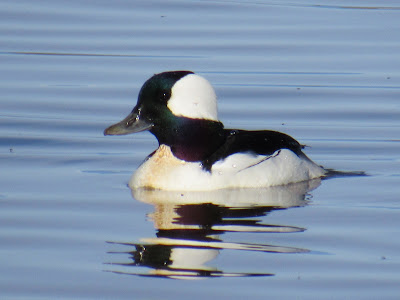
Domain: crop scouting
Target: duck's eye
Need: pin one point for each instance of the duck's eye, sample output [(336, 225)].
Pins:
[(164, 96)]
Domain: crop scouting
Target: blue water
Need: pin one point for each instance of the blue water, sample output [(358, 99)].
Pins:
[(327, 73)]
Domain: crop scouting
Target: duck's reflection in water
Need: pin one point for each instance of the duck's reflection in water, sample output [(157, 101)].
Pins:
[(190, 227)]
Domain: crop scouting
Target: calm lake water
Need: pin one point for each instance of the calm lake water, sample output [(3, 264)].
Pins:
[(325, 72)]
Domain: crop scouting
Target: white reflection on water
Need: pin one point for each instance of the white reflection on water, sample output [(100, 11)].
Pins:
[(190, 227)]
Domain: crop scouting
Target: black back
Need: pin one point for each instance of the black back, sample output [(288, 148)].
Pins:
[(262, 142)]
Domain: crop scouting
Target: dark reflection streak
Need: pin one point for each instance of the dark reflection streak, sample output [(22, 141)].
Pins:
[(199, 273), (189, 234), (321, 6), (355, 7), (211, 219), (281, 73), (157, 257), (153, 249), (320, 86), (94, 54), (202, 213), (190, 229)]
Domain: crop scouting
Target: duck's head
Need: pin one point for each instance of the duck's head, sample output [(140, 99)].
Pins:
[(167, 100)]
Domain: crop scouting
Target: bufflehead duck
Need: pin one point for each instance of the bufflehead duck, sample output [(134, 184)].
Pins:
[(196, 152)]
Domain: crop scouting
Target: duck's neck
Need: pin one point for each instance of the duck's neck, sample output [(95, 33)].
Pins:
[(191, 139)]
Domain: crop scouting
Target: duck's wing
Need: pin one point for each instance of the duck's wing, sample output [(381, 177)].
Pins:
[(263, 142)]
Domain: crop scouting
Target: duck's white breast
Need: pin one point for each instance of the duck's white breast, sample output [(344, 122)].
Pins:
[(164, 171)]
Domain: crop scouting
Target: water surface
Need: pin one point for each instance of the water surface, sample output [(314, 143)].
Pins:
[(325, 73)]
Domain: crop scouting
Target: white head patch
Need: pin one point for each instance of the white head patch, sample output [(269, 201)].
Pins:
[(193, 97)]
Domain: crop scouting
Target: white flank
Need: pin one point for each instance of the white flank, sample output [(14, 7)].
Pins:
[(193, 97), (166, 172)]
